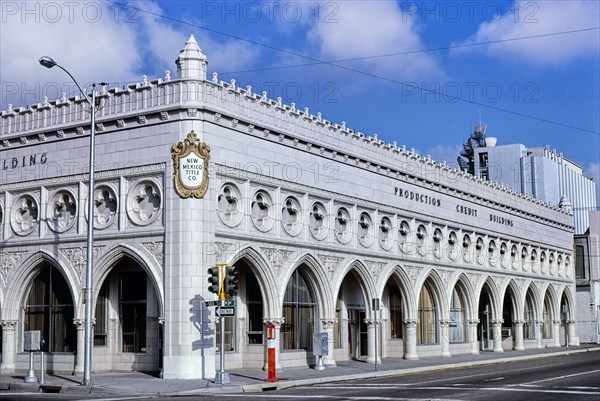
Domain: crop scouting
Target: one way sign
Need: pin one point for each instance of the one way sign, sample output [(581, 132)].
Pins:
[(224, 311)]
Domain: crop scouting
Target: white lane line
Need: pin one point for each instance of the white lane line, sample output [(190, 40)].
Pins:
[(513, 389), (494, 379), (361, 385), (584, 388), (560, 377), (328, 397), (119, 398)]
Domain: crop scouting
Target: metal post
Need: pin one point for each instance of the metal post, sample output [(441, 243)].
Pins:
[(30, 378), (89, 293), (42, 379), (375, 307), (221, 376), (375, 313), (487, 324)]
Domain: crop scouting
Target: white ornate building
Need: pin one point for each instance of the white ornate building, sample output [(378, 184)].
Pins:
[(319, 219)]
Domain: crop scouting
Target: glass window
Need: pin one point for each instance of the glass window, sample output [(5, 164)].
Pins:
[(299, 314), (529, 314), (546, 330), (337, 328), (255, 310), (49, 309), (101, 324), (396, 319), (132, 310), (426, 327), (456, 331), (579, 262)]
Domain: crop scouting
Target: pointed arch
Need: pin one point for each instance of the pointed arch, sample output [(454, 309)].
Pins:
[(567, 294), (266, 280), (23, 275), (47, 305), (438, 292), (362, 272), (512, 290), (399, 275), (469, 294), (553, 298), (493, 295), (142, 257), (317, 276)]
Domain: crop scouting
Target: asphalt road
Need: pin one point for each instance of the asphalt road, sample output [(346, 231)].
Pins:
[(572, 378)]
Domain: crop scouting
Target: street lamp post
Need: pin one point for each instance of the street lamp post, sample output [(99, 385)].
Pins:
[(88, 293)]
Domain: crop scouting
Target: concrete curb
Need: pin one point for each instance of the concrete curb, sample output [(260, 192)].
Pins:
[(249, 388)]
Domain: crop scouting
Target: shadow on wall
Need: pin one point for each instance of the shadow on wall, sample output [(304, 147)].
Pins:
[(200, 318)]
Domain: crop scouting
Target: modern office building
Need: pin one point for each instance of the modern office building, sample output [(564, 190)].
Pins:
[(319, 220), (539, 172), (587, 274)]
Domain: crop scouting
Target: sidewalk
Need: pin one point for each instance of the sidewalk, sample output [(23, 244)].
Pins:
[(249, 380)]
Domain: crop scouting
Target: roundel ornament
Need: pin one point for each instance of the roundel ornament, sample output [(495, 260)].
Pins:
[(190, 160)]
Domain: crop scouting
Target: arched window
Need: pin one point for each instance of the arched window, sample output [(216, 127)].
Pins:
[(457, 327), (133, 310), (529, 314), (396, 319), (254, 304), (427, 325), (546, 319), (299, 314), (49, 309)]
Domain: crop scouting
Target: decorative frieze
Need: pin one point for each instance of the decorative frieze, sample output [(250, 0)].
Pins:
[(156, 248), (8, 261), (331, 263), (277, 257), (375, 267), (77, 257)]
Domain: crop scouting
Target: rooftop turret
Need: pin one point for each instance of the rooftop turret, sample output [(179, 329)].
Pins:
[(191, 63)]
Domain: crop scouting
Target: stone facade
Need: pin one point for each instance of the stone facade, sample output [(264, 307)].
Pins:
[(318, 218)]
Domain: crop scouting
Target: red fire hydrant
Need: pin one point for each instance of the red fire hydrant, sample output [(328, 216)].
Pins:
[(272, 372)]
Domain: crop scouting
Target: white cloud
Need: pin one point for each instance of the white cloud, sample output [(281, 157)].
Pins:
[(81, 36), (447, 153), (540, 18), (95, 41), (372, 28), (593, 171)]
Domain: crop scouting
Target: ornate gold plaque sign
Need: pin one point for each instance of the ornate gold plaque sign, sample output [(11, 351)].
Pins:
[(190, 160)]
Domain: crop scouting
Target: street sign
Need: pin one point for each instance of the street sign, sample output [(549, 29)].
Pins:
[(224, 311), (227, 302)]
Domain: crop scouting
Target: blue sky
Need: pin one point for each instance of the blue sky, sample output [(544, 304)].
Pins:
[(419, 73)]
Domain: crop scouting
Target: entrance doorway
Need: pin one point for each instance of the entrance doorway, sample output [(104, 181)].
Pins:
[(358, 335), (485, 335)]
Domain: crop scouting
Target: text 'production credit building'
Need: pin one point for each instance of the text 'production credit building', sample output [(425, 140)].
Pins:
[(318, 219)]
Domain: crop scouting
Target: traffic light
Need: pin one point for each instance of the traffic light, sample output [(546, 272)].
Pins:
[(213, 280), (232, 280)]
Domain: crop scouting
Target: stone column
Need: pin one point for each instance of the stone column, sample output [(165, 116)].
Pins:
[(189, 249), (9, 349), (497, 329), (410, 349), (573, 339), (353, 335), (80, 327), (519, 335), (328, 325), (371, 340), (445, 338), (277, 322), (538, 332), (473, 336), (556, 332)]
